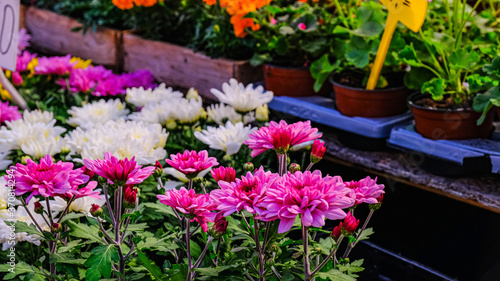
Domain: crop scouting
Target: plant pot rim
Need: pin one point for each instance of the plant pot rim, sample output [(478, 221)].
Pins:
[(365, 90), (418, 95), (287, 67)]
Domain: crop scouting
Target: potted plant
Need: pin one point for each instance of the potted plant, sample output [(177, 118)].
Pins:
[(357, 37), (447, 60), (490, 85), (289, 38)]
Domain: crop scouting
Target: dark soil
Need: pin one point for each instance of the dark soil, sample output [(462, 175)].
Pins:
[(358, 79), (447, 103)]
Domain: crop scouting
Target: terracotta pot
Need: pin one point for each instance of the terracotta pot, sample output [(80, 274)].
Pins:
[(290, 81), (370, 103), (449, 124)]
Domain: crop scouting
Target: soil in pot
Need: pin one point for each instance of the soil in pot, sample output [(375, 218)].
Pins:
[(353, 100), (446, 121), (291, 81)]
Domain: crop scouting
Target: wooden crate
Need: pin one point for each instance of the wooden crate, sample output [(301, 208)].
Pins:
[(51, 33), (180, 66), (22, 16)]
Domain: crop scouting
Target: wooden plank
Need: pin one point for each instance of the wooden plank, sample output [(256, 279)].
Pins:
[(51, 33), (22, 16), (179, 66)]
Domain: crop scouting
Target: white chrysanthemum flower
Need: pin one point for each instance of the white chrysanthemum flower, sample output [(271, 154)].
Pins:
[(221, 113), (36, 116), (141, 97), (97, 112), (7, 196), (243, 99), (36, 139), (182, 179), (124, 139), (227, 138), (188, 111), (4, 161), (154, 113), (79, 205)]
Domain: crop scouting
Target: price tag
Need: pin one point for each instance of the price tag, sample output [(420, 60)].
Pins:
[(9, 32)]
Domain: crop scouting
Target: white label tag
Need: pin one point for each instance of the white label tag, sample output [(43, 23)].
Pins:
[(9, 33)]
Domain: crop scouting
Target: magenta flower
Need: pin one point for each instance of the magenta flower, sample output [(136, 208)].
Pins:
[(120, 171), (47, 178), (198, 207), (244, 193), (191, 163), (307, 194), (17, 79), (23, 60), (23, 40), (317, 151), (302, 26), (224, 174), (141, 78), (350, 224), (54, 65), (280, 136), (110, 86), (79, 81), (9, 112), (366, 190), (272, 21)]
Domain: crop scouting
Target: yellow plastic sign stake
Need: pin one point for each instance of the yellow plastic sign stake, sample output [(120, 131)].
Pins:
[(411, 13)]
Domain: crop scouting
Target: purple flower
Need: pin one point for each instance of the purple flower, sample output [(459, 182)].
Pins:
[(54, 65), (23, 41)]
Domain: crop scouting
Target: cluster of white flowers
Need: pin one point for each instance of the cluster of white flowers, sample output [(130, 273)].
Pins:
[(124, 139), (141, 97), (35, 134), (97, 113), (241, 98), (227, 138), (221, 113)]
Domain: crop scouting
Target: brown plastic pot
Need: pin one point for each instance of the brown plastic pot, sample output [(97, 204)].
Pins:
[(360, 102), (449, 124), (290, 81)]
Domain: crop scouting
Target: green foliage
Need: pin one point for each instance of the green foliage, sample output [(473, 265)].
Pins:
[(99, 263)]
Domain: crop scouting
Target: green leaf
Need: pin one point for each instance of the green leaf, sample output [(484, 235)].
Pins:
[(484, 102), (65, 258), (149, 265), (358, 51), (162, 208), (409, 56), (351, 268), (364, 235), (81, 230), (24, 227), (211, 271), (21, 268), (493, 68), (71, 216), (286, 30), (313, 46), (71, 244), (321, 70), (137, 227), (461, 59), (335, 275), (435, 87), (100, 261)]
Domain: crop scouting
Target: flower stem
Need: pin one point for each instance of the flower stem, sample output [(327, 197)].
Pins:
[(66, 210), (202, 255), (282, 164), (305, 244), (217, 250), (309, 166), (48, 211), (260, 253), (351, 245), (331, 255), (108, 203), (190, 184), (188, 250)]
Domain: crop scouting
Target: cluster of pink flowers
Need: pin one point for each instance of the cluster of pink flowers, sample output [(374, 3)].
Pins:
[(280, 136), (366, 190), (51, 179), (119, 171), (54, 65), (198, 207), (191, 163), (8, 112)]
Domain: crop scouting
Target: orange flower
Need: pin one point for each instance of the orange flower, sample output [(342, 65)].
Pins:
[(123, 4), (145, 3)]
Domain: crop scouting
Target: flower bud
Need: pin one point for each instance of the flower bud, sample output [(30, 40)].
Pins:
[(88, 172), (294, 167), (337, 231), (377, 205), (275, 248), (302, 26), (262, 113), (24, 159), (317, 151), (171, 124), (38, 208), (130, 196), (65, 150), (56, 227), (224, 174), (158, 169), (350, 225), (95, 210), (220, 226), (248, 167)]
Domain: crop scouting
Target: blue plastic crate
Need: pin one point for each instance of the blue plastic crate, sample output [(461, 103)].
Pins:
[(322, 110), (456, 151)]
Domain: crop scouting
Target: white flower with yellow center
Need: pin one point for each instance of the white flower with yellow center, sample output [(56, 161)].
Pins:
[(221, 113), (227, 138), (97, 112), (141, 97), (154, 113), (243, 99), (36, 116), (188, 111)]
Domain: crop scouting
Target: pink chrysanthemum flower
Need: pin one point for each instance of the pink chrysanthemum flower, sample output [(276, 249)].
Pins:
[(23, 40), (367, 190), (306, 194), (117, 171), (244, 193), (197, 207), (23, 60), (224, 174), (8, 112), (280, 136), (111, 86), (47, 178), (54, 65), (78, 81), (191, 163)]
